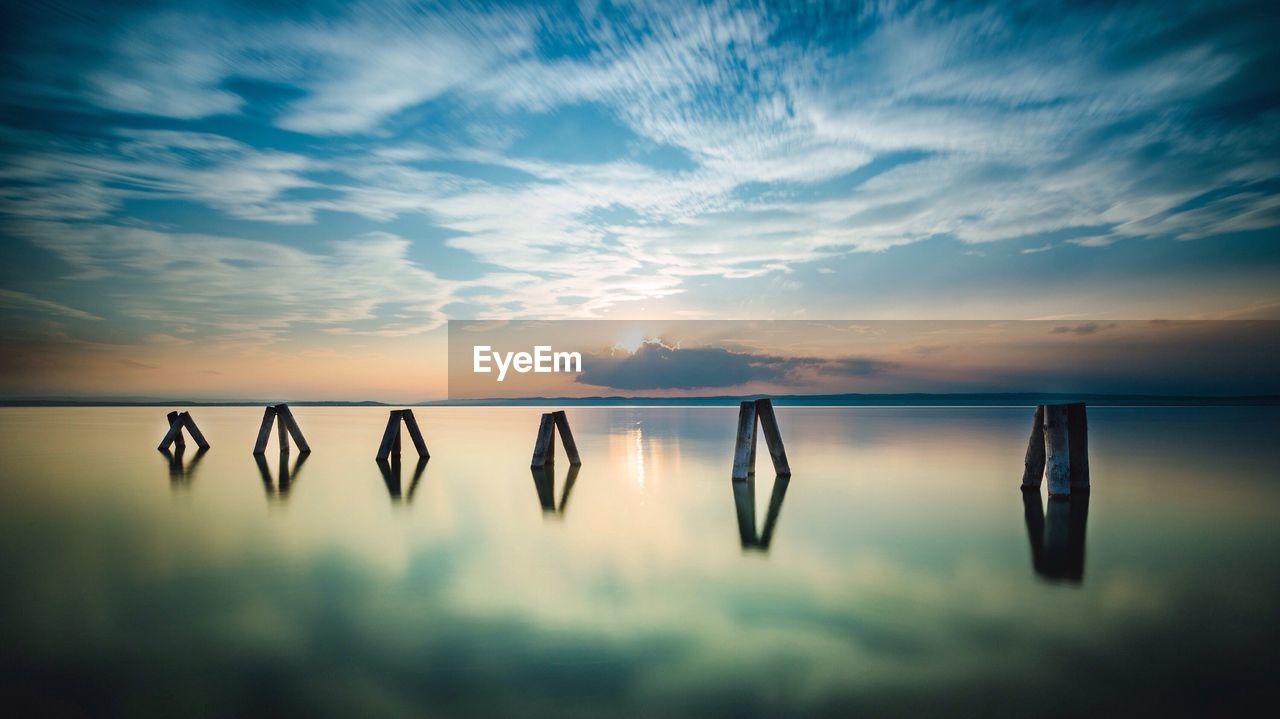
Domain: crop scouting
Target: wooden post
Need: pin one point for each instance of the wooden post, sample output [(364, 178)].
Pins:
[(742, 454), (772, 437), (415, 434), (282, 436), (1033, 464), (174, 435), (283, 412), (544, 449), (1057, 451), (570, 447), (264, 431), (389, 436), (196, 434), (1078, 444), (176, 418)]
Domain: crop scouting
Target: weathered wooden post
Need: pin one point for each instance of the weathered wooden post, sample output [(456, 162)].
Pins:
[(391, 435), (744, 450), (544, 447), (1057, 467), (177, 422), (283, 417)]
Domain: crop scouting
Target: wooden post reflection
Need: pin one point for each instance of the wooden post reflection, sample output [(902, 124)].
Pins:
[(1057, 538), (744, 500), (544, 485)]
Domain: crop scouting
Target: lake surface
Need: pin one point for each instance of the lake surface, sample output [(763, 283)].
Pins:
[(898, 572)]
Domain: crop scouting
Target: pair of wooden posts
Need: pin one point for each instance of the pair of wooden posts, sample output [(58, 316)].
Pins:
[(744, 451), (544, 448), (1058, 450)]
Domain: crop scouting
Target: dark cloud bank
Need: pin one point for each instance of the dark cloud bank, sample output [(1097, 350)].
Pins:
[(657, 366)]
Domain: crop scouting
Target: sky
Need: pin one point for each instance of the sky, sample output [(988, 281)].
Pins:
[(284, 200)]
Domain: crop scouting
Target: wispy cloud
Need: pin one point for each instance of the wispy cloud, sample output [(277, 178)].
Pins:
[(24, 301)]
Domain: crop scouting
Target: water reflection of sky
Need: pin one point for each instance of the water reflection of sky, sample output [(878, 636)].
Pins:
[(898, 573)]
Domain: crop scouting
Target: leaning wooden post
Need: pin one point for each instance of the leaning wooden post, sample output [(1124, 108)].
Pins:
[(282, 434), (389, 436), (1057, 450), (191, 427), (1078, 445), (570, 447), (264, 430), (284, 413), (174, 435), (415, 434), (1033, 463), (544, 449), (742, 454), (772, 437), (176, 418)]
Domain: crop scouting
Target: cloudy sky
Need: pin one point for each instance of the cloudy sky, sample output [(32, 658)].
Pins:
[(234, 200)]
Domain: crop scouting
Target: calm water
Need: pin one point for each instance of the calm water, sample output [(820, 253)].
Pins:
[(894, 573)]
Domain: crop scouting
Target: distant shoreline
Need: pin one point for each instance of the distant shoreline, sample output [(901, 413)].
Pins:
[(1018, 399)]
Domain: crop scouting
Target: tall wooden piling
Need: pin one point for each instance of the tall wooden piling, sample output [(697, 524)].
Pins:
[(751, 413), (1057, 450)]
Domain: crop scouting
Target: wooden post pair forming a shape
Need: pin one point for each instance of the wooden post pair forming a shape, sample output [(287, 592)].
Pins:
[(744, 451), (544, 449), (391, 436), (1058, 449), (283, 417), (178, 420)]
